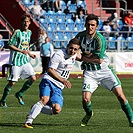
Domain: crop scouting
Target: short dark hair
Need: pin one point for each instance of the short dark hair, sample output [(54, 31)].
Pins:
[(92, 17), (25, 16), (74, 41)]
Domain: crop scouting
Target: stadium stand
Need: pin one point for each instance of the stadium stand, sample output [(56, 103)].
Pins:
[(65, 27)]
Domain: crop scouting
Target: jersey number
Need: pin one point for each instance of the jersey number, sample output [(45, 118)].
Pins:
[(65, 74)]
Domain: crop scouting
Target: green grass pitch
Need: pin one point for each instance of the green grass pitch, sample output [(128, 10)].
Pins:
[(108, 116)]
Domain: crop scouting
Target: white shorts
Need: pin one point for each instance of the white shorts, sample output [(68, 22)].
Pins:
[(106, 78), (24, 71)]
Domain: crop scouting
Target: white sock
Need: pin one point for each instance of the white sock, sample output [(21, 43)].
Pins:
[(35, 111), (47, 110)]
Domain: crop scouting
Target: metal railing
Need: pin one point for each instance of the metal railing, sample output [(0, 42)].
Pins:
[(108, 8), (6, 24)]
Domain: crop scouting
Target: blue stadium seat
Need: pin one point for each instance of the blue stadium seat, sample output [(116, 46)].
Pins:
[(112, 43), (57, 42), (69, 34), (64, 40), (62, 26), (129, 43), (51, 15), (68, 16), (60, 15), (100, 24), (60, 34), (72, 8), (63, 5), (70, 24), (81, 3), (69, 21), (53, 26), (120, 23), (27, 2), (50, 34), (80, 26)]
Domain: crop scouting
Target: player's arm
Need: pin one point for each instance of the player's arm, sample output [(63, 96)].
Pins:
[(92, 58), (54, 75), (30, 54), (79, 55), (12, 47)]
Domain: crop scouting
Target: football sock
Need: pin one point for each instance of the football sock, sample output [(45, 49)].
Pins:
[(35, 111), (47, 110), (88, 108), (5, 93), (128, 110), (26, 86)]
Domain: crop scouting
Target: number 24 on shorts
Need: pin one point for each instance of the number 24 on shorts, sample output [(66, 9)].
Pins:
[(86, 86)]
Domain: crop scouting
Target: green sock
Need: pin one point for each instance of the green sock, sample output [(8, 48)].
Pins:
[(87, 108), (128, 110), (25, 87), (5, 93)]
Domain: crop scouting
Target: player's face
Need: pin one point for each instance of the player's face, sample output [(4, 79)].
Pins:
[(72, 49), (91, 27), (26, 23)]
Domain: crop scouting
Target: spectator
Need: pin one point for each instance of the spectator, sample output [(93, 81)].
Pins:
[(113, 20), (106, 29), (67, 11), (57, 5), (53, 5), (81, 12), (36, 9), (128, 18), (41, 37), (1, 43), (46, 52)]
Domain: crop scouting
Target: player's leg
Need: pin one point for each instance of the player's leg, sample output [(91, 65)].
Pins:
[(13, 78), (89, 86), (6, 92), (28, 72), (113, 83), (37, 107), (87, 106), (124, 104)]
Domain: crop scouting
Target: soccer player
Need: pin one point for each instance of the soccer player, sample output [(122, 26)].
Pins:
[(19, 60), (54, 81), (96, 70)]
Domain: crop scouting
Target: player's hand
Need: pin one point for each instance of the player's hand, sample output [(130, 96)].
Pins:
[(88, 54), (32, 56), (67, 84), (79, 55), (25, 52)]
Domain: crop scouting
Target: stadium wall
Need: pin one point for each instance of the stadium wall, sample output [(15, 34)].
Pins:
[(121, 62)]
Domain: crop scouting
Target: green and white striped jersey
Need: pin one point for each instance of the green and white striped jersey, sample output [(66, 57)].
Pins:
[(96, 45), (21, 40)]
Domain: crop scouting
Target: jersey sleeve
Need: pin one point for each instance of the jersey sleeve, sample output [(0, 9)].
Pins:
[(13, 38), (55, 60), (101, 47)]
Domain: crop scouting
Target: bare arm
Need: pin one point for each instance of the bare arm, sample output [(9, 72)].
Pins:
[(22, 51), (54, 75), (92, 59), (17, 49)]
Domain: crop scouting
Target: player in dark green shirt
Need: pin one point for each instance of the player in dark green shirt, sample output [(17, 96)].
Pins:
[(96, 70)]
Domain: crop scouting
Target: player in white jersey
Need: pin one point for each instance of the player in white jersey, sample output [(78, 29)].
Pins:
[(19, 61), (54, 81)]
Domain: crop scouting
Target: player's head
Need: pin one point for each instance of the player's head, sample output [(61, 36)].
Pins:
[(91, 24), (47, 39), (73, 46), (25, 21)]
